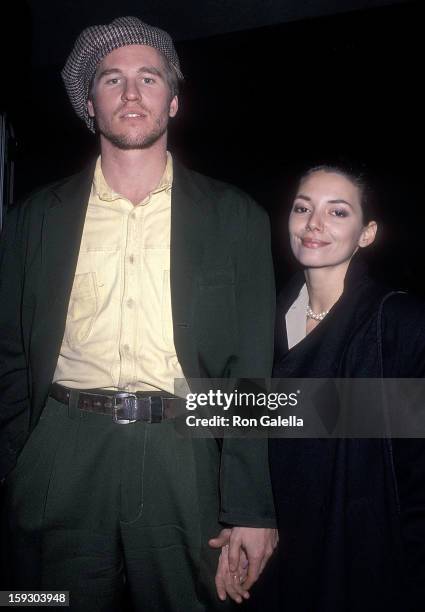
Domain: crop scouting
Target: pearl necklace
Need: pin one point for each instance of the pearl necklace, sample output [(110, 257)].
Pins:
[(317, 316)]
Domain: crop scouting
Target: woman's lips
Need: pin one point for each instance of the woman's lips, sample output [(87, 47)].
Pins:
[(310, 243)]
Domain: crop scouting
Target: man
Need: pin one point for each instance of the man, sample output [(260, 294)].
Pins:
[(119, 285)]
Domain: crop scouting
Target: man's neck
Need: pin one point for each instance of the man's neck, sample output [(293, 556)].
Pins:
[(134, 173)]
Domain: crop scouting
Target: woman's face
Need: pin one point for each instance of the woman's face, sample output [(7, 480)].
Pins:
[(325, 224)]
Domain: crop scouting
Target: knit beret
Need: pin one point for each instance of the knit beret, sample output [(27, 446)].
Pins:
[(95, 42)]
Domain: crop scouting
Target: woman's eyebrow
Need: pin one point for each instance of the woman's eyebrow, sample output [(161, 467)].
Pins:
[(301, 196), (340, 201)]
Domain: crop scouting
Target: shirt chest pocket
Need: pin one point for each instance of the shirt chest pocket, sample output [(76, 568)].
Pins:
[(82, 309)]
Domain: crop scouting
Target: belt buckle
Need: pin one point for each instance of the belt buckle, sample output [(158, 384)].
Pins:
[(123, 396)]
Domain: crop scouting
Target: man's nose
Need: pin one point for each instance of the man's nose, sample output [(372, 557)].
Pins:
[(130, 91)]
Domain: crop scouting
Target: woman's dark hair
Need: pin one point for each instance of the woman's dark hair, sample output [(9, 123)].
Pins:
[(358, 177)]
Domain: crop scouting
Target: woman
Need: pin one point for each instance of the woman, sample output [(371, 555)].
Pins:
[(350, 511)]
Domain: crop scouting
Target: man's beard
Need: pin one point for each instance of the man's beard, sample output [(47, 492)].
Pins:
[(128, 142)]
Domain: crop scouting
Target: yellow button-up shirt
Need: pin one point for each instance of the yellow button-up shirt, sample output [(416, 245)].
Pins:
[(119, 329)]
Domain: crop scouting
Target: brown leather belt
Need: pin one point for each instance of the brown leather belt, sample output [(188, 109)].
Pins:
[(123, 407)]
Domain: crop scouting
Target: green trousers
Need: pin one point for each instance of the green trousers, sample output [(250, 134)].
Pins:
[(111, 511)]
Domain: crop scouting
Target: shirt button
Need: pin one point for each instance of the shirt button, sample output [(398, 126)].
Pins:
[(126, 348), (133, 215), (131, 259), (130, 303)]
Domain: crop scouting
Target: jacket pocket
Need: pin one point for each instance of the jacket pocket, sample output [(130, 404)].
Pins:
[(82, 309), (215, 318), (29, 455), (217, 276)]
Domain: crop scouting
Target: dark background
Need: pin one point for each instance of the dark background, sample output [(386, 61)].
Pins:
[(271, 87)]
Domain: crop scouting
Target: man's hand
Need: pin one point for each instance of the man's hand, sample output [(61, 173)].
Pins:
[(228, 583), (253, 545)]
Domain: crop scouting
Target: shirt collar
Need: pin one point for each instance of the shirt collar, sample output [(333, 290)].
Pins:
[(296, 318), (101, 188)]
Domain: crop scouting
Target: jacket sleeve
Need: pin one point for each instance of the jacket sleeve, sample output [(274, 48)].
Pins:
[(14, 396), (246, 495)]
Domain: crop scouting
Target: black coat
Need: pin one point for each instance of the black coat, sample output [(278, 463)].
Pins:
[(351, 512)]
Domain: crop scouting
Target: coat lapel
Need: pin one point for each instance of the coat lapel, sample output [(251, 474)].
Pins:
[(61, 236), (187, 227), (64, 227)]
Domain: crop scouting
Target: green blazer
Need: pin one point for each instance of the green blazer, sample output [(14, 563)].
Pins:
[(222, 295)]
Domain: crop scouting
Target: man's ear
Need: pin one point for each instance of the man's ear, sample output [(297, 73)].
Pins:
[(368, 234), (174, 107), (90, 108)]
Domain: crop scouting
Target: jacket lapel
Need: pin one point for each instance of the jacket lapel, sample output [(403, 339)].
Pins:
[(61, 236), (64, 225), (187, 227)]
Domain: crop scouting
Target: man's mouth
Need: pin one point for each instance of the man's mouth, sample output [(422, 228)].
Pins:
[(132, 115)]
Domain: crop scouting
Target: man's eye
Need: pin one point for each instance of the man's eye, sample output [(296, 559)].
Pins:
[(113, 81), (300, 209), (148, 80)]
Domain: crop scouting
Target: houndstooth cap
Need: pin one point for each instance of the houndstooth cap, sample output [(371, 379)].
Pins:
[(95, 42)]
